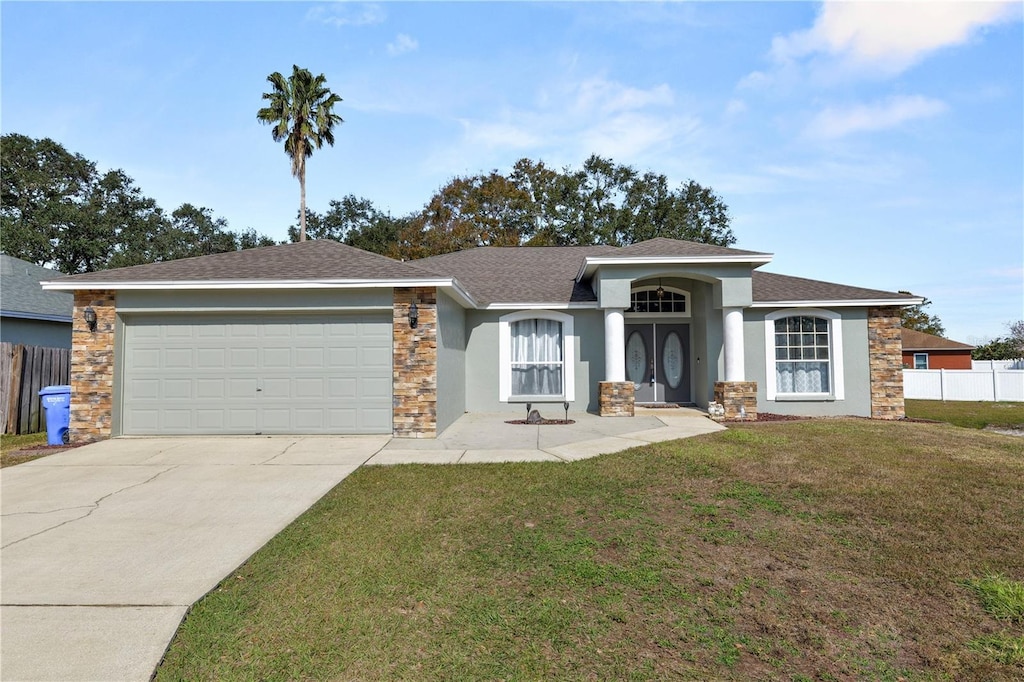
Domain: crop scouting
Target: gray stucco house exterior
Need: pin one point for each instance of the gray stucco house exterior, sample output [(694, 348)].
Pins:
[(319, 337), (29, 315)]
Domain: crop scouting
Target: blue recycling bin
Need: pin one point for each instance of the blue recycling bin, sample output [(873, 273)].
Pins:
[(57, 403)]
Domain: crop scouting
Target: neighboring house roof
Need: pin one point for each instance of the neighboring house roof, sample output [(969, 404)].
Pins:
[(22, 297), (920, 341), (774, 289), (483, 276)]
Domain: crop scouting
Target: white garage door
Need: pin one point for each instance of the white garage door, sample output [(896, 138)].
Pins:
[(257, 375)]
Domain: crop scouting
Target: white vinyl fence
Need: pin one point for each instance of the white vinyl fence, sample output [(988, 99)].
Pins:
[(997, 364), (964, 384)]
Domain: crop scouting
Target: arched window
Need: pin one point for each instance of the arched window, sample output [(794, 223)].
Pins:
[(536, 356), (658, 300), (804, 354)]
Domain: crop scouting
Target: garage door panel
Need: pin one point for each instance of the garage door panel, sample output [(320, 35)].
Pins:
[(375, 387), (177, 358), (177, 389), (267, 374)]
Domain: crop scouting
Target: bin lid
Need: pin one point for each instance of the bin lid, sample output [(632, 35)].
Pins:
[(51, 390)]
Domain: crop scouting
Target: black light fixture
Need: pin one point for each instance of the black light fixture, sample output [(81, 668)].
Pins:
[(660, 291), (414, 315), (90, 318)]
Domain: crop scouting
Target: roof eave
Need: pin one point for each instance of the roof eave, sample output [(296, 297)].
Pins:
[(41, 317), (591, 263), (449, 284), (839, 303)]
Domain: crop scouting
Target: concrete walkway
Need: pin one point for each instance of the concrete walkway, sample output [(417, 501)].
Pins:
[(105, 547)]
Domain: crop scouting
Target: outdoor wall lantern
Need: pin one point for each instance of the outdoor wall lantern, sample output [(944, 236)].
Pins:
[(660, 292), (414, 315), (90, 318)]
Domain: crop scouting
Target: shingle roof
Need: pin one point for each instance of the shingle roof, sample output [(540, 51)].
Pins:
[(519, 274), (771, 287), (21, 295), (312, 260), (915, 340), (662, 246), (491, 275)]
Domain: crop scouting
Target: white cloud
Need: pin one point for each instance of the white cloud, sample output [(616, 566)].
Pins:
[(890, 36), (595, 115), (347, 14), (836, 122), (402, 44)]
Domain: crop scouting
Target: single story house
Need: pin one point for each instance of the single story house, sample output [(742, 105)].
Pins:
[(320, 337), (29, 315), (927, 351)]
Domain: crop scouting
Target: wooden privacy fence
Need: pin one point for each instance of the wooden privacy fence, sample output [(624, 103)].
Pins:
[(24, 371)]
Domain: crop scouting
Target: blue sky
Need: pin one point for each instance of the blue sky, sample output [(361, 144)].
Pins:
[(874, 144)]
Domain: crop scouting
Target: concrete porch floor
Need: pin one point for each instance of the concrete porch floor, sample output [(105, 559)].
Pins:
[(487, 437)]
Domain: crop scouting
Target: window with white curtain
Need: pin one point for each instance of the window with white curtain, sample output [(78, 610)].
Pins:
[(801, 355), (537, 360), (804, 355), (536, 353)]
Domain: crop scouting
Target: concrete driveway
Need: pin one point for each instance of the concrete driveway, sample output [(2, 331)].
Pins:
[(105, 547)]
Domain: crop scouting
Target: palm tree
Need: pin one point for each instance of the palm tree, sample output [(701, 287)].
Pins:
[(299, 108)]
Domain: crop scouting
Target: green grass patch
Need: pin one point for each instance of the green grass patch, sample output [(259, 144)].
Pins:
[(970, 415), (1001, 597), (774, 551), (1002, 648)]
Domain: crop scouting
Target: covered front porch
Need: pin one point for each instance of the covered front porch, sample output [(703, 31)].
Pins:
[(674, 333)]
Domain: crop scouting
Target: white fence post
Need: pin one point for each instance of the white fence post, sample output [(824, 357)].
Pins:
[(942, 385), (995, 385)]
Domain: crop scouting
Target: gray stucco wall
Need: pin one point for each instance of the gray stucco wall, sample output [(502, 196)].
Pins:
[(856, 376), (35, 332), (451, 361), (482, 365)]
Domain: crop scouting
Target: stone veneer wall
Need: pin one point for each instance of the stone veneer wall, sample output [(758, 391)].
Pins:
[(92, 367), (734, 395), (616, 398), (885, 349), (414, 413)]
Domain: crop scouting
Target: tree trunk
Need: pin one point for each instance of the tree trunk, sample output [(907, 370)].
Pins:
[(302, 206)]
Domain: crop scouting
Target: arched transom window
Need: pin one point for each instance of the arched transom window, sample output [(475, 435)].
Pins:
[(658, 300)]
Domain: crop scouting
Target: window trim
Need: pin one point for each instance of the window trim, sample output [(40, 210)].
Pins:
[(505, 356), (921, 355), (835, 363)]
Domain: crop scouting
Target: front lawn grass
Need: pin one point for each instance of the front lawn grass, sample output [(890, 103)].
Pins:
[(813, 550), (971, 415)]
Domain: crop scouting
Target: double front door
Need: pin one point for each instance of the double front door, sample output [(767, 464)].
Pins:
[(658, 362)]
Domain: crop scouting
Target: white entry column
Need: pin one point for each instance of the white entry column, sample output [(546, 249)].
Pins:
[(732, 323), (614, 345)]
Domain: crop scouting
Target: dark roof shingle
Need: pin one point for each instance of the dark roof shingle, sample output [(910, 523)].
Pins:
[(519, 274), (312, 260), (770, 287)]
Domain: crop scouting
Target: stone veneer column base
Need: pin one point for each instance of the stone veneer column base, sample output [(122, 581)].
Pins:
[(616, 398), (92, 367), (414, 388), (885, 351), (739, 398)]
